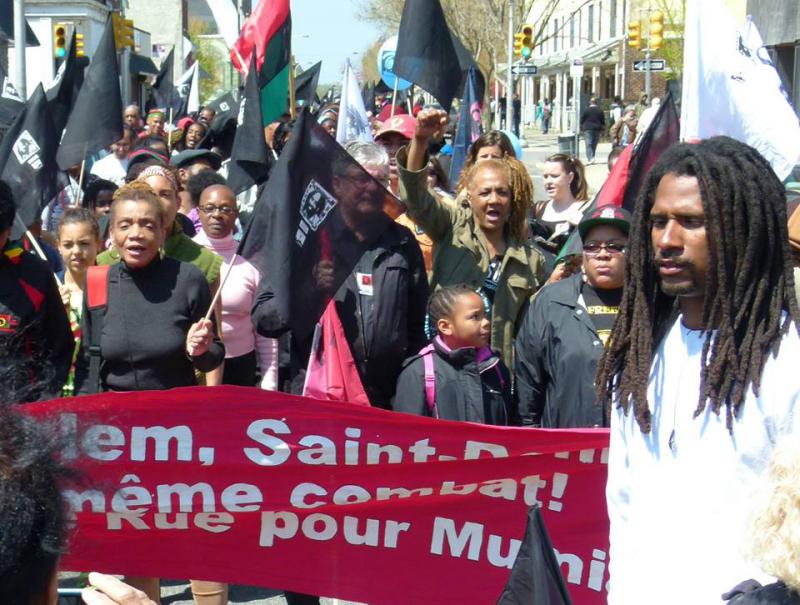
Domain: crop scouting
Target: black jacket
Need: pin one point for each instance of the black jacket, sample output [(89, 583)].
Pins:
[(36, 344), (752, 593), (400, 296), (593, 118), (147, 318), (557, 351), (466, 389)]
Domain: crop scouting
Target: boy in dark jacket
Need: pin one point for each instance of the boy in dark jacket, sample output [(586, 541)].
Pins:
[(457, 376)]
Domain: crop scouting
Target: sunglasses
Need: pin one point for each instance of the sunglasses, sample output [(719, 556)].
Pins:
[(594, 248)]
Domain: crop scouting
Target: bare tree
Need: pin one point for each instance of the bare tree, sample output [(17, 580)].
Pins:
[(481, 26)]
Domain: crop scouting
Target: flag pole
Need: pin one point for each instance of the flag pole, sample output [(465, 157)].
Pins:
[(35, 245), (80, 179), (394, 96), (292, 100), (169, 133), (221, 285)]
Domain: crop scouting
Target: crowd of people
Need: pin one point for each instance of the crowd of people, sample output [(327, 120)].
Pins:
[(675, 325)]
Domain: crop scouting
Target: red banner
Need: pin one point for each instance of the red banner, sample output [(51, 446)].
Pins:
[(253, 487)]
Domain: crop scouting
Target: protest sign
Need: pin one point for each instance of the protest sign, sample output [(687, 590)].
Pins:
[(254, 487)]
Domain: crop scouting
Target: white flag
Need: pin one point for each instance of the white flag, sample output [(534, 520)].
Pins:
[(730, 87), (353, 122), (227, 18), (189, 87)]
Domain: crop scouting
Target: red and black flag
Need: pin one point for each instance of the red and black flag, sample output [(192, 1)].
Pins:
[(267, 33), (536, 576), (28, 159), (249, 164), (317, 215), (663, 132), (94, 122)]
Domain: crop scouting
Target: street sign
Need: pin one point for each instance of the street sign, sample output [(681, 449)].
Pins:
[(576, 68), (655, 65), (523, 69)]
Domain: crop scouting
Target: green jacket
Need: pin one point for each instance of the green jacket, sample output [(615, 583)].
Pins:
[(460, 255), (180, 247)]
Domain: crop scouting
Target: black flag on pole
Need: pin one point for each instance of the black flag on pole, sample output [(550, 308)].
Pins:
[(165, 95), (318, 213), (248, 165), (426, 54), (95, 122), (63, 94), (305, 85), (28, 159), (536, 576)]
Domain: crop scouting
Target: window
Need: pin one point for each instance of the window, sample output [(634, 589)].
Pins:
[(580, 27), (591, 23), (600, 20), (613, 18), (572, 31), (555, 35)]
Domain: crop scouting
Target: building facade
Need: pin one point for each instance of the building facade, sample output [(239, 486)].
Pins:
[(594, 31)]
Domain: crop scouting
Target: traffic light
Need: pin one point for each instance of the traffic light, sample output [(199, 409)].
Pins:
[(635, 34), (79, 45), (123, 31), (60, 40), (656, 30), (527, 41), (518, 45)]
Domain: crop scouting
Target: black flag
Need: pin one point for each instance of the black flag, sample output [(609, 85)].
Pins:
[(318, 213), (165, 95), (28, 159), (11, 104), (305, 85), (426, 54), (64, 93), (536, 576), (248, 165), (663, 132), (96, 120), (467, 62)]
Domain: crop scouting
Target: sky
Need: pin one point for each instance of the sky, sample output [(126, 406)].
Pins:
[(328, 30)]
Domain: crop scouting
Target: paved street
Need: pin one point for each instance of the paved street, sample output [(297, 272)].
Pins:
[(540, 146)]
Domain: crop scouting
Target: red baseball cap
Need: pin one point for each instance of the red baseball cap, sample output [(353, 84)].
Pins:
[(405, 124)]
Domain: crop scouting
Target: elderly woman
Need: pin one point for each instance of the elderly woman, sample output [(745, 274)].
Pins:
[(567, 326), (482, 245), (151, 334)]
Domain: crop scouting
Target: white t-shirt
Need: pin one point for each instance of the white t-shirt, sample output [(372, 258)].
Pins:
[(679, 498), (111, 169)]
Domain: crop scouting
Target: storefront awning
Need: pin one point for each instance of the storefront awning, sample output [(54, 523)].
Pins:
[(605, 53)]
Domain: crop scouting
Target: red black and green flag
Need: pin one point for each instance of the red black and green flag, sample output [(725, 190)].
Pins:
[(267, 32)]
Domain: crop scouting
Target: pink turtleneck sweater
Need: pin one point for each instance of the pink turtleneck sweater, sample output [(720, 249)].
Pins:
[(237, 299)]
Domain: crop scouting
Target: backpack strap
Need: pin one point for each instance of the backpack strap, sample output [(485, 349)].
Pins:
[(96, 301), (430, 380)]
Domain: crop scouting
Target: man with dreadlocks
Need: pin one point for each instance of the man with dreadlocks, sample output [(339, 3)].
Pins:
[(700, 376)]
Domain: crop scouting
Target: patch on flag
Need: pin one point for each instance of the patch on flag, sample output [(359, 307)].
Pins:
[(316, 204), (26, 149)]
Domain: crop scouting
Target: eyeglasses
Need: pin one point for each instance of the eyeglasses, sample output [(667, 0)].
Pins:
[(223, 210), (594, 248)]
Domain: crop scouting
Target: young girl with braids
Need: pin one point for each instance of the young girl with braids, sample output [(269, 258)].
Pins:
[(457, 376), (79, 243), (483, 244)]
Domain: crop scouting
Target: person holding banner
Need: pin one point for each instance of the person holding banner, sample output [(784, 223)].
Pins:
[(483, 245), (700, 374), (34, 329)]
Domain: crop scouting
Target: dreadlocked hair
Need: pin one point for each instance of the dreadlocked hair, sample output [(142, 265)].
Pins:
[(749, 300), (521, 186)]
